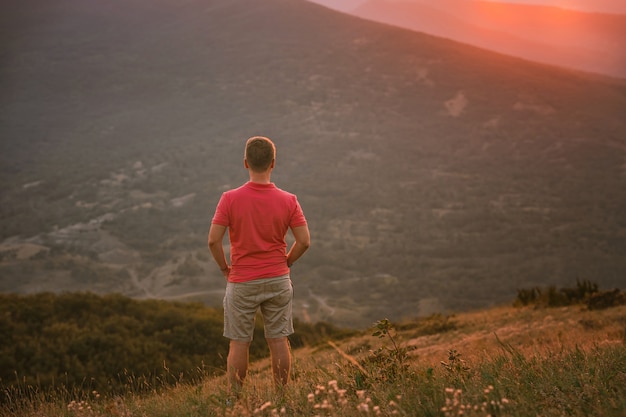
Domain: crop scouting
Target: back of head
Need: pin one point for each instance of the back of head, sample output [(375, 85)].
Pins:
[(260, 152)]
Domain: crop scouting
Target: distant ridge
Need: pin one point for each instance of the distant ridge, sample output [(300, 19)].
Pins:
[(598, 6), (585, 41), (435, 176)]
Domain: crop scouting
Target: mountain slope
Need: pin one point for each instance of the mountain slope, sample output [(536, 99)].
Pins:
[(435, 176)]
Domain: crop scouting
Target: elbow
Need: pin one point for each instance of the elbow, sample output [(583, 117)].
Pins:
[(213, 243), (216, 235)]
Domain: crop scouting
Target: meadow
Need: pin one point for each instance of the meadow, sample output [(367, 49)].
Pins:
[(504, 361)]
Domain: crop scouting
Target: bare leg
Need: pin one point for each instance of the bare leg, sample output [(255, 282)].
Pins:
[(237, 363), (281, 359)]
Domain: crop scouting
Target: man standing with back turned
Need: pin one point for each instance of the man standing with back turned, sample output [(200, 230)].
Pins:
[(258, 216)]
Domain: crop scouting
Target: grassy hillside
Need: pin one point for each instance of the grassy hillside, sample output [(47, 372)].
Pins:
[(436, 177), (509, 361), (113, 343)]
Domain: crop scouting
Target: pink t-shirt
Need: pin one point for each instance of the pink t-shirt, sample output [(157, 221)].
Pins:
[(258, 217)]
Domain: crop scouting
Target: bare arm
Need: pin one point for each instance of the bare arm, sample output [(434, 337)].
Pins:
[(302, 243), (216, 236)]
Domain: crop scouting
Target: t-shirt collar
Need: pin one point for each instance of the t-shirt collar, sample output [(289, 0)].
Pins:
[(260, 186)]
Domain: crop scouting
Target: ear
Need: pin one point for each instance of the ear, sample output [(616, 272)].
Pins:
[(273, 163), (245, 163)]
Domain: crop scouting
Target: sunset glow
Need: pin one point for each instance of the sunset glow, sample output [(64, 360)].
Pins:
[(557, 35), (559, 24), (555, 32), (602, 6), (596, 6)]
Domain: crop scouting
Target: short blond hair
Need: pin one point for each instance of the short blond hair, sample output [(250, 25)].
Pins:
[(260, 152)]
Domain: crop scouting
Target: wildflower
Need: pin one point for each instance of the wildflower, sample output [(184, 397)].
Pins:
[(263, 407), (311, 397), (360, 394), (505, 401), (363, 407)]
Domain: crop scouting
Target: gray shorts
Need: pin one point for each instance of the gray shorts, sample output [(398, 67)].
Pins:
[(243, 299)]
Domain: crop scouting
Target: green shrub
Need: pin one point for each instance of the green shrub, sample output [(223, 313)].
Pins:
[(554, 297)]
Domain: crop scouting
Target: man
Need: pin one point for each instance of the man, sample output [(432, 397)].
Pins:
[(257, 216)]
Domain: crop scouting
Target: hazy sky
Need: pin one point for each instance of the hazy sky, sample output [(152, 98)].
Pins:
[(614, 6), (587, 5)]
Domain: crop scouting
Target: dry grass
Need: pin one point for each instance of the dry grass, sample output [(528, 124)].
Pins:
[(507, 361), (530, 331), (481, 337)]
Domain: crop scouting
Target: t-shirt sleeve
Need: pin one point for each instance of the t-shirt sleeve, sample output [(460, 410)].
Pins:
[(221, 216), (297, 217)]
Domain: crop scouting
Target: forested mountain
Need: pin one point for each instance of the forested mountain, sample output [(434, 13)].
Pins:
[(435, 176)]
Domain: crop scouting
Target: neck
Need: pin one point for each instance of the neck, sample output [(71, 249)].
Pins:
[(260, 177)]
